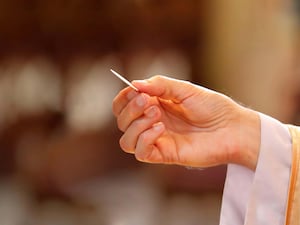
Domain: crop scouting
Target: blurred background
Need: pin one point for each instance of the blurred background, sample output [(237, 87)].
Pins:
[(60, 161)]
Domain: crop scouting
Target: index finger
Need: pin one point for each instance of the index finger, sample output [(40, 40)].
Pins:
[(122, 99)]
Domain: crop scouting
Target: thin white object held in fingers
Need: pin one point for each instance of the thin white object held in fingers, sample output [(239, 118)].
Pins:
[(123, 79)]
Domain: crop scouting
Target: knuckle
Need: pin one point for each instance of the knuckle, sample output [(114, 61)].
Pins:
[(158, 78), (120, 124), (140, 156), (124, 144), (139, 124), (115, 108), (143, 138)]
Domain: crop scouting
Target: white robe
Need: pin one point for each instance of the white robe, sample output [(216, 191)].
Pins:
[(260, 197)]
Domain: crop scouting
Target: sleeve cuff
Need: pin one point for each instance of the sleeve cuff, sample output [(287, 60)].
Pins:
[(257, 198)]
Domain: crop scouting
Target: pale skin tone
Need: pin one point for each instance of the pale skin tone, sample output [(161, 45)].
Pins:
[(172, 121)]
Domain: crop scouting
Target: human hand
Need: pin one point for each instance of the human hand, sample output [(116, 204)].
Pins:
[(176, 122)]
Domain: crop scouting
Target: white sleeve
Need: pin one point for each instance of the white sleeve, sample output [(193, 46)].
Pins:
[(259, 198)]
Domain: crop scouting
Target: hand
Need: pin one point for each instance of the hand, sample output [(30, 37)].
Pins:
[(176, 122)]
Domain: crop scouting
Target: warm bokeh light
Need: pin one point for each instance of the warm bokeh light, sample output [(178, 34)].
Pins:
[(91, 89), (60, 160)]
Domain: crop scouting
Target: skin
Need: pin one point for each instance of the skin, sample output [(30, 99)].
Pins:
[(172, 121)]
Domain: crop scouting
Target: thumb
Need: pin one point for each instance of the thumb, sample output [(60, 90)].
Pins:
[(165, 88)]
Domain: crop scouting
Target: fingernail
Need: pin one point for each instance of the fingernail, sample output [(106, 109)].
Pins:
[(150, 112), (131, 95), (140, 100), (158, 126)]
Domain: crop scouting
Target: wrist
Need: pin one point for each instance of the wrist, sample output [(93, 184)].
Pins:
[(248, 138)]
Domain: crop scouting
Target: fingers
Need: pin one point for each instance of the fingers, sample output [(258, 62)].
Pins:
[(166, 88), (122, 99), (132, 111), (130, 138), (146, 148)]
